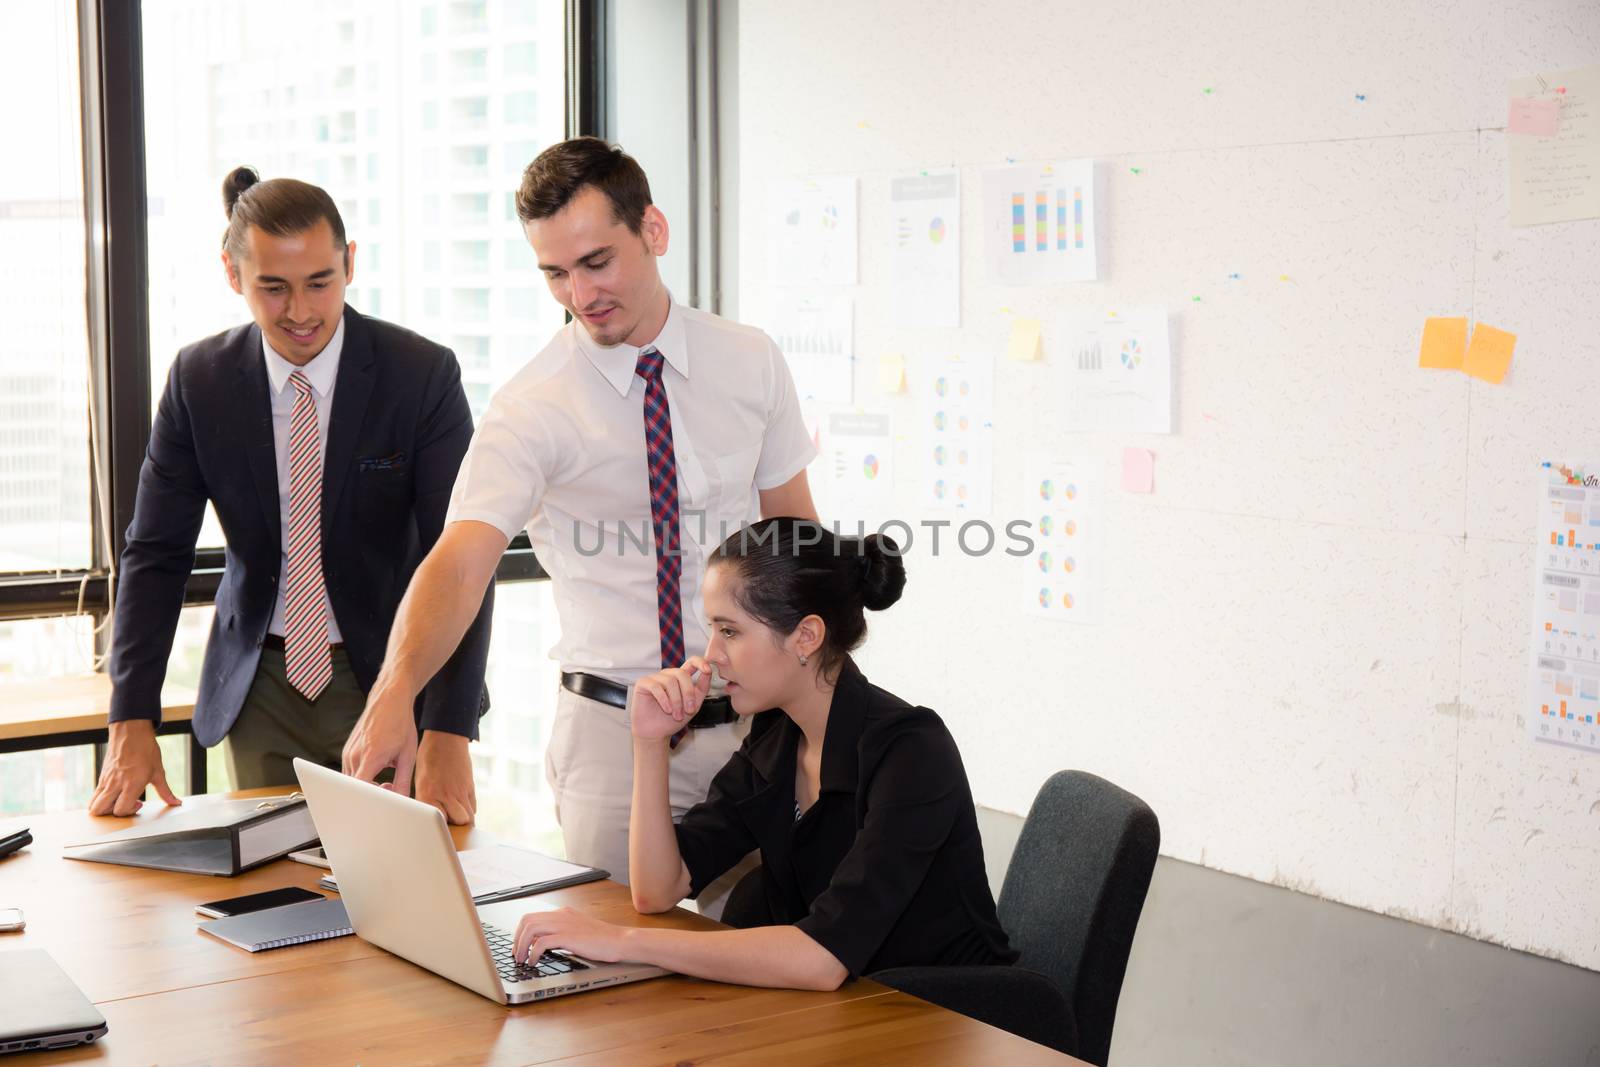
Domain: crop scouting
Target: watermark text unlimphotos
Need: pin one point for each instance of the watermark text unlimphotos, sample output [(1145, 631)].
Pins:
[(971, 537)]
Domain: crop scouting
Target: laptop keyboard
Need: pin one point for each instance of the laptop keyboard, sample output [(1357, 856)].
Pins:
[(547, 966)]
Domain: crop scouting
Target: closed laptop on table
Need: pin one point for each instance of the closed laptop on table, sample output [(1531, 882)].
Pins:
[(41, 1007)]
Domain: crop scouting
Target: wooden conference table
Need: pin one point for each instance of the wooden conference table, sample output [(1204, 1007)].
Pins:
[(173, 995), (53, 712)]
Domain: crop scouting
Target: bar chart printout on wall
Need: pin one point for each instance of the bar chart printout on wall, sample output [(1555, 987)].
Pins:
[(1060, 577), (811, 231), (957, 435), (1039, 223), (1118, 372), (814, 331), (1564, 668), (925, 248)]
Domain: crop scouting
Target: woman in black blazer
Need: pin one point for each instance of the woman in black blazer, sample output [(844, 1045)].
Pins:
[(857, 800)]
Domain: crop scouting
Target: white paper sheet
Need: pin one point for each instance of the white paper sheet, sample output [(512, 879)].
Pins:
[(856, 468), (1564, 660), (1039, 223), (1557, 179), (925, 248), (957, 436), (1060, 578), (814, 329), (811, 231), (1118, 372)]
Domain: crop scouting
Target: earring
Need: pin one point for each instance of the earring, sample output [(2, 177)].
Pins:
[(802, 659)]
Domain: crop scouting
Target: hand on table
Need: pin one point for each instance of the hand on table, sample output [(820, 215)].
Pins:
[(133, 761)]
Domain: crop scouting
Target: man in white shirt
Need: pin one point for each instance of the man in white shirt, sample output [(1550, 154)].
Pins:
[(641, 436)]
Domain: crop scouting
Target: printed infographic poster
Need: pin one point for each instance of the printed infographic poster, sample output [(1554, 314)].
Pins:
[(811, 231), (925, 249), (957, 436), (1059, 578), (1039, 223), (1564, 660)]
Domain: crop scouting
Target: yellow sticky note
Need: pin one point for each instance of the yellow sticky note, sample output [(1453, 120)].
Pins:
[(892, 373), (1024, 341), (1489, 354), (1444, 341)]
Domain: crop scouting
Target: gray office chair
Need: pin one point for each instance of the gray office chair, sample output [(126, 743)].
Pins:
[(1070, 903)]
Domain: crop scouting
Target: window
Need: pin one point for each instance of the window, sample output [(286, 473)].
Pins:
[(469, 16), (470, 305), (469, 113), (469, 257), (522, 109), (44, 349), (469, 64), (211, 103), (470, 162), (521, 59), (469, 209), (348, 98)]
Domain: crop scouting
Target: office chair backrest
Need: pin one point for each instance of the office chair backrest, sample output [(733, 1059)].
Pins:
[(1073, 893)]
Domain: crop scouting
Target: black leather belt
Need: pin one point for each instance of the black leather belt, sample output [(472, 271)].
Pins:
[(275, 643), (714, 711)]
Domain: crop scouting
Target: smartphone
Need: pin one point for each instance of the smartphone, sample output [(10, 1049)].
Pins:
[(11, 842), (315, 857), (11, 919), (272, 898)]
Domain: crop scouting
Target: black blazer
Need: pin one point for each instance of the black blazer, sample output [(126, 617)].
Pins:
[(886, 868), (398, 430)]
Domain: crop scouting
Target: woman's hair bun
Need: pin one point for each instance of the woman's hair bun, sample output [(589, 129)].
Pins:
[(883, 572), (238, 180)]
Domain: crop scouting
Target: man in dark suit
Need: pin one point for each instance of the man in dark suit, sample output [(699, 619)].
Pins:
[(328, 443)]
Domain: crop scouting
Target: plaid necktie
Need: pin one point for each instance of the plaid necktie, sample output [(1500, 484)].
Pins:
[(307, 661), (663, 465)]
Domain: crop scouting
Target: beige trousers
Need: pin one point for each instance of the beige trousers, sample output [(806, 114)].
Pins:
[(589, 764)]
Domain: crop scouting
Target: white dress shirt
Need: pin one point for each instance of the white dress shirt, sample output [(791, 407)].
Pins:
[(561, 453), (322, 372)]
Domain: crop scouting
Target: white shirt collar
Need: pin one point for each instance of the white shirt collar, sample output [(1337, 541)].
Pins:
[(321, 372), (617, 363)]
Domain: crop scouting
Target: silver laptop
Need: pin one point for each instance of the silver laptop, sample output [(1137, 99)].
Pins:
[(41, 1007), (404, 890)]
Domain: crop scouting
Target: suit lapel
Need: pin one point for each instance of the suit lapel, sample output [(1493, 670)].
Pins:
[(256, 431), (352, 389)]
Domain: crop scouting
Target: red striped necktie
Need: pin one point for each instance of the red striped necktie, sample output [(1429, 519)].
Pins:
[(663, 468), (307, 661)]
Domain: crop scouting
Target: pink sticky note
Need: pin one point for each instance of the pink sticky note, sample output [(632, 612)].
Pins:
[(1534, 115), (1138, 470)]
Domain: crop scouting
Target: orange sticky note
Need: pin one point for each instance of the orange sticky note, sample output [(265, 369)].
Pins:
[(1444, 342), (1138, 470), (1489, 354)]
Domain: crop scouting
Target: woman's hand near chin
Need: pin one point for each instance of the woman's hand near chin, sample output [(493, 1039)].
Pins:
[(663, 702)]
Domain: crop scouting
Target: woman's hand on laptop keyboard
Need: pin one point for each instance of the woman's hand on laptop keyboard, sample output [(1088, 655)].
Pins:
[(541, 931)]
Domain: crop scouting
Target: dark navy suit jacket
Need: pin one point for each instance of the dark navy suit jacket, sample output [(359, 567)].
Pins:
[(398, 430)]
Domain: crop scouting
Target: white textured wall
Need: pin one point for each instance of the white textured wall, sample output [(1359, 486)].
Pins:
[(1312, 663)]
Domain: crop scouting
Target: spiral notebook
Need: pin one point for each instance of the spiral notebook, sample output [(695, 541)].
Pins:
[(292, 924)]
